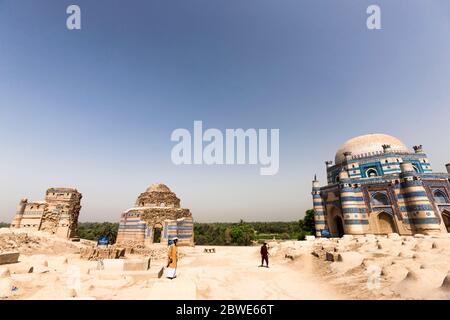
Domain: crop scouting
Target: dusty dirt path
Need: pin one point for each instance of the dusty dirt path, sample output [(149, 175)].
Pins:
[(233, 273)]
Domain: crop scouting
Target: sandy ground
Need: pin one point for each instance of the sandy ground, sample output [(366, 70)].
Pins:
[(362, 267), (51, 268), (233, 273), (388, 267)]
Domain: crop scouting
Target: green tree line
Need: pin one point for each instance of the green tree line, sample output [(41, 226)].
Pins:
[(243, 233), (240, 233), (95, 230)]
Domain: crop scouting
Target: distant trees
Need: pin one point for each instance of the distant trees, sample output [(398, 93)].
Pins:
[(241, 233), (212, 233), (307, 224), (95, 230), (4, 225)]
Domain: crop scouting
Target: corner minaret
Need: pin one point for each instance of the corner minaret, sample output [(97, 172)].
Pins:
[(319, 215), (352, 205), (415, 206)]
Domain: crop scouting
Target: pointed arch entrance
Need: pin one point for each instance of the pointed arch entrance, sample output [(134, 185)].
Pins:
[(336, 223), (386, 223), (446, 219), (339, 226)]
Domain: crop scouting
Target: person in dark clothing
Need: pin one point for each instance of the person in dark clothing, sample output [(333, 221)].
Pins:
[(264, 255)]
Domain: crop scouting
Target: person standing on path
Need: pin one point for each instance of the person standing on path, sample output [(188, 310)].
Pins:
[(172, 259), (264, 255)]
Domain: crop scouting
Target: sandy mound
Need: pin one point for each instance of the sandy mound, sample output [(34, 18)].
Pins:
[(388, 267)]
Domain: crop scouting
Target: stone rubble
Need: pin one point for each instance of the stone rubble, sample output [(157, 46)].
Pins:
[(392, 266)]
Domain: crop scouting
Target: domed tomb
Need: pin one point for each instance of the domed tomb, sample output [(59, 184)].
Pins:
[(380, 186), (156, 218), (368, 145)]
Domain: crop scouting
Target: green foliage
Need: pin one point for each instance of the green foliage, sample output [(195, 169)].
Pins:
[(94, 230), (243, 233), (302, 235), (308, 222), (4, 225)]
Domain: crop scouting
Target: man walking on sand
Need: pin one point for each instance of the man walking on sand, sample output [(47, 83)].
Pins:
[(264, 255), (172, 259)]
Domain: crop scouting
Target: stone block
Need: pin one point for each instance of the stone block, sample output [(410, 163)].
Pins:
[(39, 259), (405, 254), (136, 264), (113, 264), (25, 280), (56, 262), (112, 284), (40, 269), (446, 283), (99, 253), (153, 273), (120, 252), (394, 236), (107, 274), (331, 256), (9, 257), (321, 254), (310, 238), (20, 268)]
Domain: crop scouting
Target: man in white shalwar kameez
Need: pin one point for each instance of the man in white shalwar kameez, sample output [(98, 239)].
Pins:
[(172, 259)]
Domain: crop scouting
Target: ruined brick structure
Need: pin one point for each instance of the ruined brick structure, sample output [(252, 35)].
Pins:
[(58, 214), (156, 217)]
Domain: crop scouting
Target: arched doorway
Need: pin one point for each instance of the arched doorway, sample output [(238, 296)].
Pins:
[(386, 223), (335, 223), (157, 230), (446, 219), (339, 226)]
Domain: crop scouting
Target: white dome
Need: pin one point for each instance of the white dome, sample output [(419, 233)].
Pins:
[(369, 144)]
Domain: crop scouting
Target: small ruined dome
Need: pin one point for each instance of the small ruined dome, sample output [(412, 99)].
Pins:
[(158, 187), (368, 145), (158, 195)]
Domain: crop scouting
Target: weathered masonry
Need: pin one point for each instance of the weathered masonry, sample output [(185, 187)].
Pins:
[(58, 214), (156, 218)]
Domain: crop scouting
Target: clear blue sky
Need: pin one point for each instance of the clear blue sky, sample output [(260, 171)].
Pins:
[(94, 109)]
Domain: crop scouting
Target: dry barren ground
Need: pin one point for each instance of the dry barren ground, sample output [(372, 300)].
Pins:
[(367, 267)]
